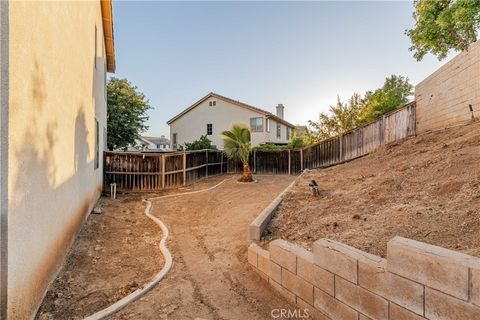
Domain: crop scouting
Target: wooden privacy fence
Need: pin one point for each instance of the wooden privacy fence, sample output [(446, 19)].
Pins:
[(391, 127), (151, 171)]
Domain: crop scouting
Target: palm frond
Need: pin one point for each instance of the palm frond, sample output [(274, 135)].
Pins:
[(237, 142)]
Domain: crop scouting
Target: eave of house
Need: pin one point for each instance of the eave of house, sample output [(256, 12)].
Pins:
[(107, 19), (280, 120), (267, 114)]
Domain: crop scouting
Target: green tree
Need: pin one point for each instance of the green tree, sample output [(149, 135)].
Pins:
[(126, 113), (341, 118), (201, 144), (394, 93), (270, 146), (297, 142), (441, 25), (238, 145), (299, 139)]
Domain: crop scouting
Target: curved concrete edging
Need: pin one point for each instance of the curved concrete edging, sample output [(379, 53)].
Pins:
[(117, 306)]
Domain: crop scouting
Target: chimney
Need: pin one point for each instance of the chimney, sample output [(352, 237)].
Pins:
[(280, 109)]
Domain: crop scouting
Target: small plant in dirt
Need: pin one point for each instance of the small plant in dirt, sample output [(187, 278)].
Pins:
[(238, 145)]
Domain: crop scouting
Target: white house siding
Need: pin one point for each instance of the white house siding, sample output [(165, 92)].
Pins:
[(56, 91), (272, 135), (193, 124)]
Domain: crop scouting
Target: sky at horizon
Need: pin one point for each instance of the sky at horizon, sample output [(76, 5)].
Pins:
[(301, 54)]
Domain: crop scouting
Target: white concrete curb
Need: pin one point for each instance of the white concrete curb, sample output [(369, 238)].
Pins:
[(163, 249), (261, 221)]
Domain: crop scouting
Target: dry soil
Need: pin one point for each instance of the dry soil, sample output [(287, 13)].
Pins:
[(117, 251), (210, 278), (425, 188)]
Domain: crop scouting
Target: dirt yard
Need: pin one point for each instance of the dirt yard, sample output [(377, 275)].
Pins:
[(115, 253), (210, 277), (426, 188)]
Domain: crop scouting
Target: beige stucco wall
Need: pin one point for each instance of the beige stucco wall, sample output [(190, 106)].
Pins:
[(271, 136), (56, 92), (222, 116), (443, 98)]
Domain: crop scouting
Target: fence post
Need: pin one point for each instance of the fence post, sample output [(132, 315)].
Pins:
[(184, 168), (254, 161), (341, 147), (383, 130), (221, 163), (301, 159), (163, 171), (226, 163), (206, 163), (289, 162)]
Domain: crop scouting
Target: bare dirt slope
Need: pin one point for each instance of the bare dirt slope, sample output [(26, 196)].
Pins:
[(426, 188), (210, 277)]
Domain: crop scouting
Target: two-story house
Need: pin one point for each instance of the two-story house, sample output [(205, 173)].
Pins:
[(214, 114), (150, 144)]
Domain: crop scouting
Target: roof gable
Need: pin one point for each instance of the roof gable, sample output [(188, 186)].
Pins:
[(155, 140), (232, 101)]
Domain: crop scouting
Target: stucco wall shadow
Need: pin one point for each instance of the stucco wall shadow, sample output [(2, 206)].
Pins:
[(55, 94), (45, 215)]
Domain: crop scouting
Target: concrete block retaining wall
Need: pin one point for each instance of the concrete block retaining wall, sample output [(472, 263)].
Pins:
[(336, 281), (443, 99)]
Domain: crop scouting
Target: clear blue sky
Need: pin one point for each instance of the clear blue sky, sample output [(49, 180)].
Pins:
[(301, 54)]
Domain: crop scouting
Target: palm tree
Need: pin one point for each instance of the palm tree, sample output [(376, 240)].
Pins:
[(238, 145)]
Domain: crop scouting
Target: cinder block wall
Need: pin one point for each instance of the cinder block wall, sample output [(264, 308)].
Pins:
[(336, 281), (443, 99)]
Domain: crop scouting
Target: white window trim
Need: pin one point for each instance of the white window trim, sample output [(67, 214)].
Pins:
[(174, 140), (263, 126)]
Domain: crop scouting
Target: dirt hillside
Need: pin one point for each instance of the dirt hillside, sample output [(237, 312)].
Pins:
[(425, 188)]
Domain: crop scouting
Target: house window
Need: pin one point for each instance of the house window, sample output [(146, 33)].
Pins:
[(209, 129), (267, 125), (279, 131), (97, 145), (174, 141), (256, 124), (288, 133), (212, 103)]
